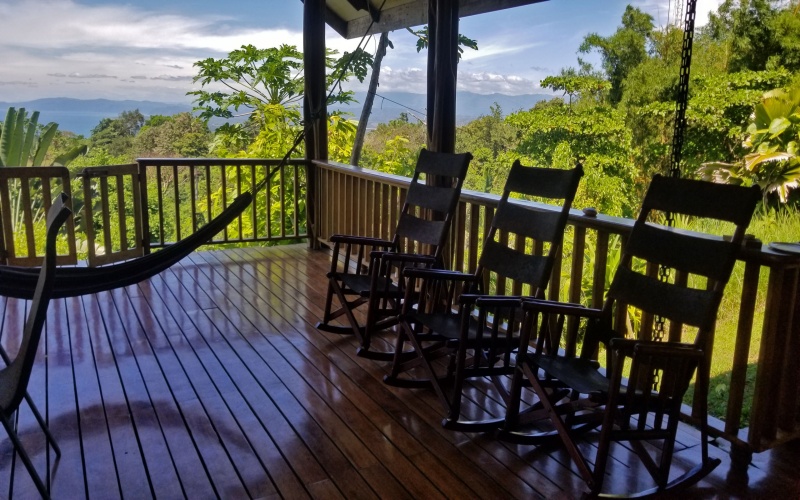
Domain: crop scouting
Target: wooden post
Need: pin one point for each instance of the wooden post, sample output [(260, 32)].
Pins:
[(315, 111), (442, 69)]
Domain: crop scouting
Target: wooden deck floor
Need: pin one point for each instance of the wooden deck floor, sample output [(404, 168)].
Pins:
[(210, 380)]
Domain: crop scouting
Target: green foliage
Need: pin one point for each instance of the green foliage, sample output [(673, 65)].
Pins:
[(24, 143), (177, 136), (116, 135), (422, 41), (624, 50), (576, 85), (745, 26), (772, 141), (558, 135), (393, 147), (490, 140), (254, 78)]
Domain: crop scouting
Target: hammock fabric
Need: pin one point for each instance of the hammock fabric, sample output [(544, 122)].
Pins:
[(20, 282)]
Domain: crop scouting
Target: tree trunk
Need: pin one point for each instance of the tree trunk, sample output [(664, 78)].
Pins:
[(361, 132)]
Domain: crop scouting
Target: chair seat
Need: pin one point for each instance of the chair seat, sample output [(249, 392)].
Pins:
[(361, 284), (448, 327), (577, 373)]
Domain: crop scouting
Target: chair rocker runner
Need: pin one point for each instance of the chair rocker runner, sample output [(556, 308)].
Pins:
[(365, 271), (521, 247), (14, 377), (575, 394)]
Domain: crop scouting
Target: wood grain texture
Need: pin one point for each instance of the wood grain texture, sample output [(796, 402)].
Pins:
[(210, 380)]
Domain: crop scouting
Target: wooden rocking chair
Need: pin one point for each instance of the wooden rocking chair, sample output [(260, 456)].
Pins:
[(575, 394), (521, 247), (366, 271), (14, 377)]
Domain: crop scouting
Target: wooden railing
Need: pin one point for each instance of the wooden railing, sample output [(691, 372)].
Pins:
[(124, 211), (177, 196), (351, 200), (183, 194)]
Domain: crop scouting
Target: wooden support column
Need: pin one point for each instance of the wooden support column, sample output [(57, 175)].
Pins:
[(315, 111), (442, 71)]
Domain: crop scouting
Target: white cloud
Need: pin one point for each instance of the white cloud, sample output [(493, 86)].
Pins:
[(120, 50), (490, 83), (97, 42)]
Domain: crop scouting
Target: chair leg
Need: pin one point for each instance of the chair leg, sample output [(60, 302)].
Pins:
[(50, 439), (23, 455), (561, 428)]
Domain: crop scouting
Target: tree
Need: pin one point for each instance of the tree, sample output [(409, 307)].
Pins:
[(116, 134), (489, 138), (253, 77), (422, 43), (178, 136), (267, 85), (624, 50), (577, 85), (745, 26), (374, 78), (554, 134)]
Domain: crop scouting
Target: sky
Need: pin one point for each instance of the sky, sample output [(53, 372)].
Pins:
[(145, 49)]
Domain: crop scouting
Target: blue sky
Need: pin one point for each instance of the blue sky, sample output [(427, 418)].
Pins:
[(145, 49)]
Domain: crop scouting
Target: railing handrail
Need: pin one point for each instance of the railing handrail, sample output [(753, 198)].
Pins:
[(764, 255), (169, 162)]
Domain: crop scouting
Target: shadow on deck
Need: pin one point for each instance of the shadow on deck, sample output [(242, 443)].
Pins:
[(210, 380)]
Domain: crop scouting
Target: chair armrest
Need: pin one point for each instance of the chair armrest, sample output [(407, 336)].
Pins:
[(568, 308), (402, 257), (440, 274), (360, 240), (633, 347), (492, 300)]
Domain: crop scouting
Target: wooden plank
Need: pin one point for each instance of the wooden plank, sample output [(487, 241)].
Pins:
[(326, 380), (214, 369), (431, 412)]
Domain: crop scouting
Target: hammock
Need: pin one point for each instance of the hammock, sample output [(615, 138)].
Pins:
[(20, 282)]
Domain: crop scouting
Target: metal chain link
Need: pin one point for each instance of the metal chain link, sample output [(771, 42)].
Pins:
[(677, 141)]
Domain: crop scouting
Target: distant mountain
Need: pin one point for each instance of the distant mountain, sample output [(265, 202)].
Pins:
[(81, 116), (469, 106)]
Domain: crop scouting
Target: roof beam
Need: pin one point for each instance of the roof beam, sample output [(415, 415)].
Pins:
[(416, 13)]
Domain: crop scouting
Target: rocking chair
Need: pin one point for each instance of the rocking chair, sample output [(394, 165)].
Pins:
[(14, 377), (675, 279), (366, 271), (518, 255)]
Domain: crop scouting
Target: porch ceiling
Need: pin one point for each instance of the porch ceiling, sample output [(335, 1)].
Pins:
[(351, 18)]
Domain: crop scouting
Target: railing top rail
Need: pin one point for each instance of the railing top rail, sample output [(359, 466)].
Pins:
[(147, 162), (618, 225)]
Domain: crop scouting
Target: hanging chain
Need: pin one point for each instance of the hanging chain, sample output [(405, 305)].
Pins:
[(677, 140)]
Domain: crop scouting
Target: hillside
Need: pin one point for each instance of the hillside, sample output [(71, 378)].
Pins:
[(81, 116)]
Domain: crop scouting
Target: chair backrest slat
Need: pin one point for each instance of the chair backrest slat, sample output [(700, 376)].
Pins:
[(691, 306), (724, 202), (436, 197), (522, 267), (421, 230), (691, 253), (515, 226), (682, 253), (533, 224)]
